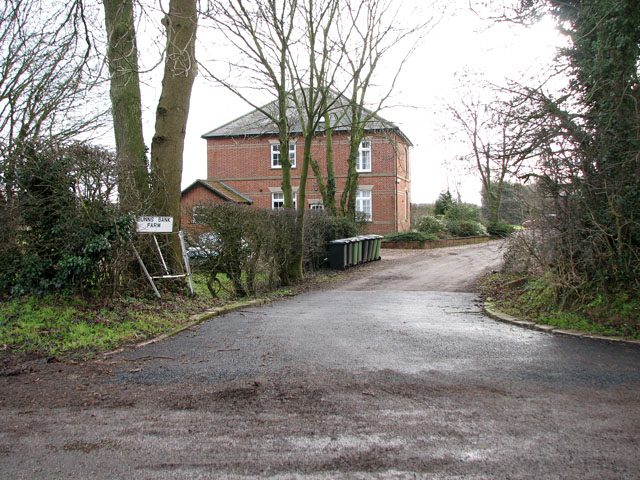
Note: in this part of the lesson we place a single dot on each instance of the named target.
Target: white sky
(460, 42)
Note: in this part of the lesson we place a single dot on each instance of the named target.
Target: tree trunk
(330, 197)
(122, 55)
(285, 159)
(348, 199)
(296, 269)
(172, 113)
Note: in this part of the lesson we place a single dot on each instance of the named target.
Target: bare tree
(263, 33)
(180, 23)
(313, 99)
(308, 54)
(369, 32)
(167, 146)
(46, 76)
(498, 142)
(295, 62)
(126, 101)
(589, 137)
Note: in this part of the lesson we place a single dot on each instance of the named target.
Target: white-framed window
(316, 206)
(275, 155)
(197, 212)
(277, 200)
(363, 162)
(363, 204)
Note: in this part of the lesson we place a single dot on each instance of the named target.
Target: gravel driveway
(395, 373)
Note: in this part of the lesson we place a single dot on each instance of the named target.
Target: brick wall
(197, 195)
(245, 165)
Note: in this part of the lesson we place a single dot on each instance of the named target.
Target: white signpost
(154, 224)
(162, 225)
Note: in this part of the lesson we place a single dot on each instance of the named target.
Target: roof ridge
(256, 123)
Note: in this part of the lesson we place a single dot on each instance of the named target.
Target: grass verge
(60, 327)
(534, 300)
(80, 328)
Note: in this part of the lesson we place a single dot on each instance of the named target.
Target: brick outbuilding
(243, 166)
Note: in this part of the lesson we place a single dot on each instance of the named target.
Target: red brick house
(243, 165)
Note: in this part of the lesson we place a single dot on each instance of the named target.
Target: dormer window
(275, 155)
(363, 162)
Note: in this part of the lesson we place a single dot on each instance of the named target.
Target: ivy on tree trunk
(122, 55)
(173, 110)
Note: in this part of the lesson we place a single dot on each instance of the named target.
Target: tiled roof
(256, 123)
(221, 189)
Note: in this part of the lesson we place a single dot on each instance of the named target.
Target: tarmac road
(375, 378)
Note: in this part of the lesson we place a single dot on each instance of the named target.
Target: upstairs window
(363, 163)
(363, 204)
(275, 155)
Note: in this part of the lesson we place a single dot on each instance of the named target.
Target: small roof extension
(220, 189)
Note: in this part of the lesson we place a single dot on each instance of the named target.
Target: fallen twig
(148, 357)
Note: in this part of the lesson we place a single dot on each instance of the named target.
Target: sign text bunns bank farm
(154, 224)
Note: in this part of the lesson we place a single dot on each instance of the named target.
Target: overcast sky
(461, 42)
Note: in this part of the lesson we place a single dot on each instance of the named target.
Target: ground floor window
(363, 204)
(277, 200)
(316, 206)
(197, 214)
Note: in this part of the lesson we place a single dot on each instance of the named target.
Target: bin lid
(340, 241)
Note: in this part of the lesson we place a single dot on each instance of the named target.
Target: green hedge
(254, 247)
(410, 237)
(500, 229)
(61, 230)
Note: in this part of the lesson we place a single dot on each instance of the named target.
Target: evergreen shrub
(63, 233)
(466, 228)
(500, 229)
(410, 237)
(431, 224)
